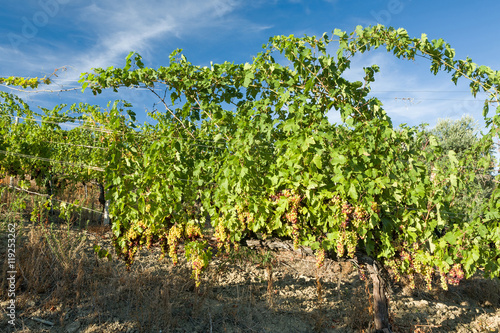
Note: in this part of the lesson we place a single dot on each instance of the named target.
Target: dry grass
(59, 276)
(50, 262)
(60, 280)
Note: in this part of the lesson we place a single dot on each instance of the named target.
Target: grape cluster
(162, 240)
(347, 210)
(455, 275)
(133, 241)
(292, 218)
(444, 283)
(199, 256)
(137, 236)
(405, 256)
(350, 214)
(129, 250)
(351, 242)
(410, 265)
(391, 263)
(336, 200)
(290, 194)
(340, 245)
(427, 273)
(193, 231)
(173, 237)
(417, 266)
(197, 264)
(244, 217)
(222, 237)
(320, 258)
(292, 215)
(411, 279)
(360, 216)
(149, 238)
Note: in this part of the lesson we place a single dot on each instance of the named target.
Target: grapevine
(275, 165)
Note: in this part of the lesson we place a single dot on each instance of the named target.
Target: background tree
(463, 137)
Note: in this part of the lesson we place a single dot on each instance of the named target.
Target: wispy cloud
(109, 30)
(121, 27)
(81, 34)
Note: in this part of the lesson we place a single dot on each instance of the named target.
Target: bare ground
(63, 287)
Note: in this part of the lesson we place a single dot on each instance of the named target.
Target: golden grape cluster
(222, 236)
(291, 215)
(351, 217)
(193, 231)
(410, 262)
(245, 217)
(197, 264)
(173, 237)
(347, 239)
(320, 258)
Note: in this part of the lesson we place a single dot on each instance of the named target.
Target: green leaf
(307, 142)
(450, 238)
(369, 245)
(453, 157)
(352, 192)
(249, 76)
(317, 161)
(432, 246)
(338, 159)
(84, 86)
(309, 85)
(482, 230)
(397, 195)
(453, 180)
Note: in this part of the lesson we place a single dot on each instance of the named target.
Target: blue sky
(40, 36)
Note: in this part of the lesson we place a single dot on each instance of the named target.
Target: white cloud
(129, 25)
(105, 31)
(109, 30)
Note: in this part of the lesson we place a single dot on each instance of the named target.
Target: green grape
(320, 258)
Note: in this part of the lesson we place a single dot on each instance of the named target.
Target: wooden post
(105, 203)
(106, 220)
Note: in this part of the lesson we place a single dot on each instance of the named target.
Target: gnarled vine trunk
(380, 302)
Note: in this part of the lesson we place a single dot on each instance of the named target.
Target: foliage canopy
(251, 146)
